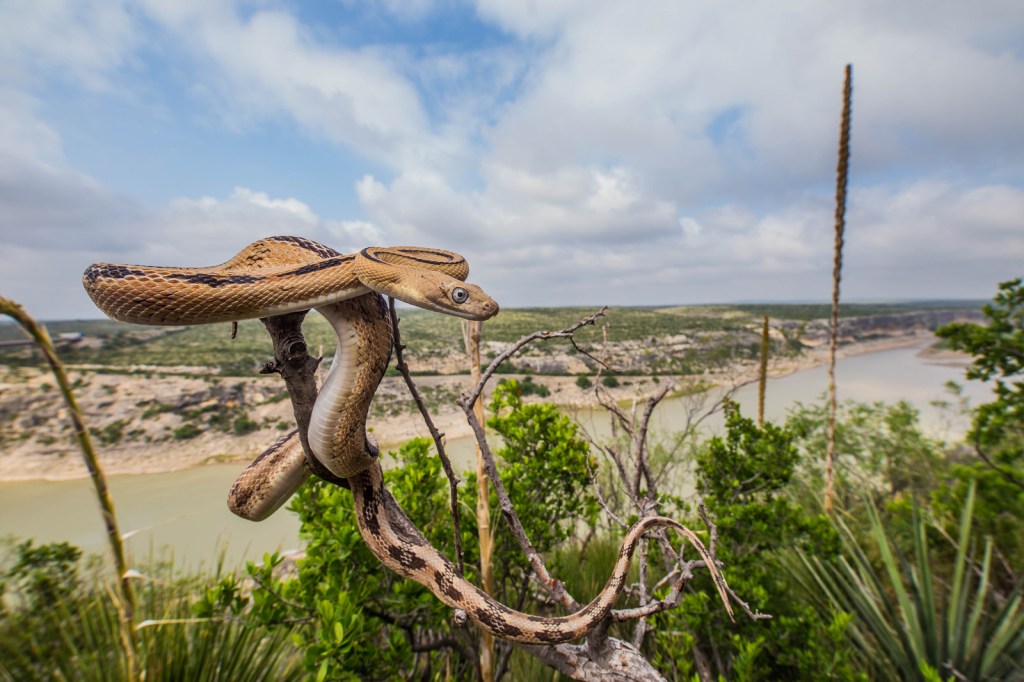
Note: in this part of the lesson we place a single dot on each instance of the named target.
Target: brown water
(184, 513)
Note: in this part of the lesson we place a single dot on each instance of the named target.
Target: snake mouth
(484, 310)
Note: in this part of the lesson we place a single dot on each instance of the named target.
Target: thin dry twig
(592, 473)
(566, 333)
(762, 373)
(453, 480)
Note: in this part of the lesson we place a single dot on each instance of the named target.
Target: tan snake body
(285, 274)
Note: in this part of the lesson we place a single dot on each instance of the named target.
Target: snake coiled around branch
(280, 275)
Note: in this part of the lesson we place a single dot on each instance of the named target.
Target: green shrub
(243, 424)
(111, 434)
(584, 382)
(743, 476)
(186, 431)
(357, 617)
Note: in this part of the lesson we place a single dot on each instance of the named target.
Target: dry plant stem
(555, 588)
(842, 170)
(762, 375)
(641, 623)
(42, 339)
(298, 369)
(437, 436)
(472, 331)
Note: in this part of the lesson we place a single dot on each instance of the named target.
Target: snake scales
(278, 275)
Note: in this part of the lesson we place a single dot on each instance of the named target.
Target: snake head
(444, 294)
(468, 301)
(426, 278)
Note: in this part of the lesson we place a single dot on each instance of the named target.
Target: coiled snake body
(278, 275)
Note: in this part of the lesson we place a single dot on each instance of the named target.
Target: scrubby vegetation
(916, 576)
(704, 336)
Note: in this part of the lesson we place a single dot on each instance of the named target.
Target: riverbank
(149, 437)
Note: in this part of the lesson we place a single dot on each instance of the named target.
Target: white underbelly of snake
(278, 275)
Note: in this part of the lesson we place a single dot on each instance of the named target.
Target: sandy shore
(24, 463)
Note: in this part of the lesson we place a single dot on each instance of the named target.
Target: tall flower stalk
(837, 269)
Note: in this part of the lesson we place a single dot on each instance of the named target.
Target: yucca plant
(915, 618)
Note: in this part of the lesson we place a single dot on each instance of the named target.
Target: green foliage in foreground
(995, 458)
(359, 621)
(880, 451)
(918, 618)
(998, 350)
(743, 477)
(61, 625)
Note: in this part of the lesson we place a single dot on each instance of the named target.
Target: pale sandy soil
(107, 397)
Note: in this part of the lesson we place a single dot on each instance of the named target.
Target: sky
(577, 152)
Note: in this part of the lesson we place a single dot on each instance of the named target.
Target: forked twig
(566, 333)
(554, 587)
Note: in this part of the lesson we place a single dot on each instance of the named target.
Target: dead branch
(298, 369)
(601, 657)
(566, 333)
(554, 587)
(437, 436)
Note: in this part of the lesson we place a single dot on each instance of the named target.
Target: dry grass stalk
(38, 333)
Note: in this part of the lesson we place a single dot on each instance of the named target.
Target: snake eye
(460, 295)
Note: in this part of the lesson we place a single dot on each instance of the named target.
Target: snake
(279, 275)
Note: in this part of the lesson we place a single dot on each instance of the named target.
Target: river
(183, 515)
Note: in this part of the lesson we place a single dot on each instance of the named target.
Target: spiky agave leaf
(911, 615)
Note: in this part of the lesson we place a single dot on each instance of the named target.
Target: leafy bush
(584, 382)
(111, 434)
(243, 424)
(743, 476)
(879, 447)
(527, 387)
(359, 620)
(186, 431)
(994, 464)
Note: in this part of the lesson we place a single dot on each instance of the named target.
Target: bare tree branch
(453, 480)
(518, 345)
(601, 657)
(466, 402)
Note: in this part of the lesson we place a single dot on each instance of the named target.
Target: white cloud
(268, 66)
(215, 229)
(22, 134)
(185, 232)
(652, 153)
(981, 228)
(84, 40)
